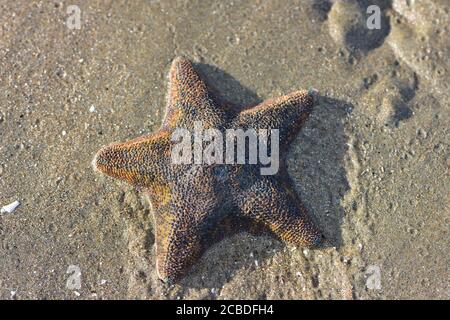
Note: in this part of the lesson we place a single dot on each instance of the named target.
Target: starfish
(196, 205)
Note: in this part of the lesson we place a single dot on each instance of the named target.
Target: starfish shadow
(226, 90)
(316, 169)
(316, 165)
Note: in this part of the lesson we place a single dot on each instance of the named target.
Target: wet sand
(371, 164)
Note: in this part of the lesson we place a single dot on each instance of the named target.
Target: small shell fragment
(9, 208)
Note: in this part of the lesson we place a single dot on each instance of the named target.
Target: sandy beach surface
(371, 164)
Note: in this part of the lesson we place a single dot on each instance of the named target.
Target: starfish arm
(180, 242)
(277, 206)
(286, 113)
(183, 211)
(177, 243)
(189, 99)
(140, 162)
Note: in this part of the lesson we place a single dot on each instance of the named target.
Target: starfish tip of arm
(99, 161)
(313, 93)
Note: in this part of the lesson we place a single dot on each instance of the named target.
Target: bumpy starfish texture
(196, 205)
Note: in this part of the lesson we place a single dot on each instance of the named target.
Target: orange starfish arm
(182, 224)
(177, 245)
(287, 114)
(139, 162)
(189, 99)
(275, 205)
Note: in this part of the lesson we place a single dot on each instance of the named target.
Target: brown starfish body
(195, 205)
